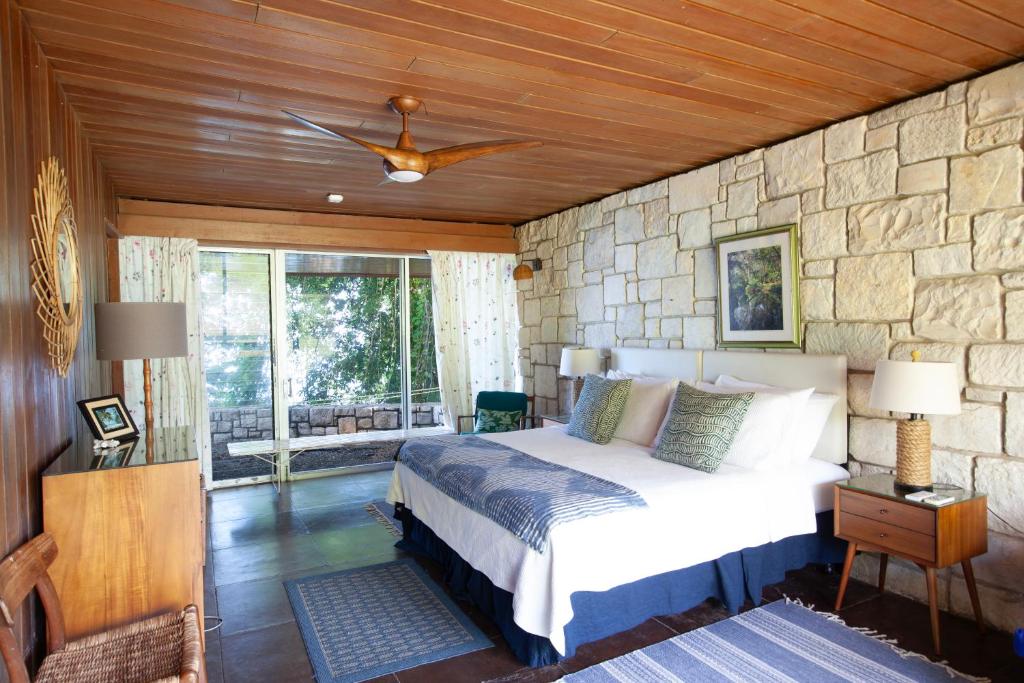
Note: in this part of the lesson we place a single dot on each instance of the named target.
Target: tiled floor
(259, 538)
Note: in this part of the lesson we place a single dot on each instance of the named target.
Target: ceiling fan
(403, 163)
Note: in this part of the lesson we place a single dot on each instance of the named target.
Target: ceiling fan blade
(446, 156)
(386, 181)
(380, 150)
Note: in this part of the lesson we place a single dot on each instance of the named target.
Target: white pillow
(646, 407)
(811, 422)
(763, 441)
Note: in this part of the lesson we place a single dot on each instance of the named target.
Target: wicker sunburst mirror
(56, 274)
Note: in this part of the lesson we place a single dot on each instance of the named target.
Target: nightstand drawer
(885, 535)
(889, 512)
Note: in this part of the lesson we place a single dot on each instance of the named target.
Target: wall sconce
(525, 271)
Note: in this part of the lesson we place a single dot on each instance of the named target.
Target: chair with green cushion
(499, 405)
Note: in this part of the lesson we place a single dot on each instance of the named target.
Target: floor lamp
(133, 331)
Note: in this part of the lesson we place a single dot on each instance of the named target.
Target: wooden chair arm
(531, 418)
(458, 422)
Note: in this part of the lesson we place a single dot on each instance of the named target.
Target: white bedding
(691, 517)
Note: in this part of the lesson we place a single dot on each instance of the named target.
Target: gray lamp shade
(129, 331)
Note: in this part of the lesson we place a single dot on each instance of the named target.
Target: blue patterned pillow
(701, 428)
(491, 421)
(599, 408)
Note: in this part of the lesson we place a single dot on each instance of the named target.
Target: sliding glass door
(347, 350)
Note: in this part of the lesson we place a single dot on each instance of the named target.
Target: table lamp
(577, 364)
(130, 331)
(919, 389)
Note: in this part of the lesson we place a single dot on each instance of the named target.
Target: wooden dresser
(129, 531)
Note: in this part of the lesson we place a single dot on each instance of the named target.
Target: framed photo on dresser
(758, 288)
(108, 418)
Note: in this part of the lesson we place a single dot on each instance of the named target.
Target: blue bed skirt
(732, 579)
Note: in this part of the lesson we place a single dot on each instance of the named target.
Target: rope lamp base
(577, 387)
(914, 454)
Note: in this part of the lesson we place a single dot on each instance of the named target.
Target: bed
(722, 535)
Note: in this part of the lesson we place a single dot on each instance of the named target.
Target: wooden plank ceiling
(182, 98)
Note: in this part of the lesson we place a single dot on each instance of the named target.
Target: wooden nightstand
(873, 516)
(554, 420)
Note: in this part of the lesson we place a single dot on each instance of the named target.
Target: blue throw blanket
(526, 495)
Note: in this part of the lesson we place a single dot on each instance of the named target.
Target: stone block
(650, 290)
(997, 365)
(958, 229)
(952, 259)
(863, 343)
(935, 353)
(652, 328)
(629, 224)
(590, 216)
(590, 303)
(705, 307)
(614, 290)
(927, 176)
(812, 201)
(861, 180)
(881, 138)
(612, 202)
(778, 212)
(694, 190)
(998, 95)
(648, 192)
(303, 429)
(677, 295)
(218, 439)
(960, 309)
(996, 134)
(1013, 280)
(939, 133)
(879, 287)
(567, 330)
(999, 240)
(990, 180)
(699, 332)
(574, 274)
(1015, 315)
(656, 257)
(817, 299)
(906, 109)
(672, 327)
(897, 224)
(347, 425)
(984, 395)
(858, 395)
(653, 309)
(1003, 480)
(1015, 424)
(705, 282)
(751, 170)
(978, 428)
(657, 220)
(549, 330)
(953, 468)
(248, 419)
(265, 423)
(549, 305)
(845, 140)
(545, 381)
(694, 228)
(873, 441)
(364, 423)
(823, 235)
(742, 199)
(746, 224)
(567, 302)
(599, 248)
(531, 312)
(240, 433)
(321, 416)
(599, 336)
(330, 431)
(794, 166)
(819, 268)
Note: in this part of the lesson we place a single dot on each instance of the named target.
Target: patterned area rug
(362, 623)
(783, 641)
(384, 513)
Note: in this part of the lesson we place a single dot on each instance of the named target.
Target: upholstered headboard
(827, 374)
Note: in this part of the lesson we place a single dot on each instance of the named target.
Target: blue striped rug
(362, 623)
(782, 641)
(384, 513)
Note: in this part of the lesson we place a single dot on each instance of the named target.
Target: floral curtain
(475, 326)
(167, 269)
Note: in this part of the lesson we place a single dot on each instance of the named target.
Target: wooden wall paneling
(38, 416)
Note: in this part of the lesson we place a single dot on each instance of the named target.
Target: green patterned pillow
(599, 408)
(701, 427)
(490, 421)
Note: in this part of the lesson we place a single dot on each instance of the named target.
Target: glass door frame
(279, 342)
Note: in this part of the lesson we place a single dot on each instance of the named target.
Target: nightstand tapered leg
(972, 588)
(933, 606)
(883, 564)
(851, 552)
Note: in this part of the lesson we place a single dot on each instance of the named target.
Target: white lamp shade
(579, 362)
(916, 387)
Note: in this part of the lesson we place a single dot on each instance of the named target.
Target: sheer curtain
(167, 269)
(475, 325)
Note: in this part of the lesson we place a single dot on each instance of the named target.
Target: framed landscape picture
(758, 290)
(108, 418)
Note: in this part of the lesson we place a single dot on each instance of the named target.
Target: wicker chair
(164, 648)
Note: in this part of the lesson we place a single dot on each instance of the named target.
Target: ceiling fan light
(400, 176)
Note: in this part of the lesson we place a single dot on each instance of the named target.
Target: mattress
(691, 517)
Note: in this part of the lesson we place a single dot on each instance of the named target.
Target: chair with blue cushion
(503, 401)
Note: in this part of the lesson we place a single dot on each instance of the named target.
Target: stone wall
(912, 237)
(255, 423)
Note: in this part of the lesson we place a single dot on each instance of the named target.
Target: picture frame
(108, 418)
(759, 289)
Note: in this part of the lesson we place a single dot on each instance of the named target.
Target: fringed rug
(783, 641)
(362, 623)
(384, 513)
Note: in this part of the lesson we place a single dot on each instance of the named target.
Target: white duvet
(691, 517)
